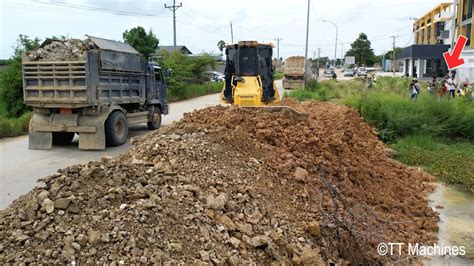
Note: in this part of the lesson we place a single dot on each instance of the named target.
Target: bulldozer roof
(250, 44)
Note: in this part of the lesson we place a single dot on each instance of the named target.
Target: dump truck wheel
(155, 123)
(116, 129)
(62, 138)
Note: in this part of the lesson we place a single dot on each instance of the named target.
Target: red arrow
(454, 60)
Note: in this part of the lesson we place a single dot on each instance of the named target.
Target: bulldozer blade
(283, 109)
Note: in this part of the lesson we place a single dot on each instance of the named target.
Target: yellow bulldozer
(249, 75)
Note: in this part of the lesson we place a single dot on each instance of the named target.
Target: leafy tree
(221, 45)
(11, 81)
(143, 42)
(362, 51)
(389, 54)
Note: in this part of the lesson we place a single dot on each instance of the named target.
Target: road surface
(21, 167)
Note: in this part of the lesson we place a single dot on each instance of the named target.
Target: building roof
(416, 51)
(170, 49)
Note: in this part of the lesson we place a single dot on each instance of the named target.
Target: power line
(173, 8)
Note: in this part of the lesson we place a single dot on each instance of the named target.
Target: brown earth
(229, 185)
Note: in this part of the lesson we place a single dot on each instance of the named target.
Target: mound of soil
(67, 50)
(229, 185)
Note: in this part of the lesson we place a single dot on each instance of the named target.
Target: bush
(196, 90)
(12, 127)
(452, 162)
(11, 90)
(279, 75)
(397, 116)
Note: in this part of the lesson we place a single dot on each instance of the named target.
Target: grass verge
(194, 90)
(450, 161)
(12, 127)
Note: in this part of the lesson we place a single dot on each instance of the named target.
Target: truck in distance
(294, 72)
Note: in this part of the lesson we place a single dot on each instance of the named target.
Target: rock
(244, 228)
(61, 203)
(21, 238)
(76, 246)
(143, 259)
(311, 256)
(235, 242)
(42, 196)
(94, 236)
(300, 174)
(41, 185)
(105, 238)
(73, 208)
(204, 255)
(48, 205)
(234, 260)
(217, 203)
(41, 236)
(68, 251)
(257, 241)
(314, 229)
(226, 221)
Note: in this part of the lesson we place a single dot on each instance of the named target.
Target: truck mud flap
(93, 140)
(39, 140)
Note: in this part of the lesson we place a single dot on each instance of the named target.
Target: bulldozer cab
(249, 74)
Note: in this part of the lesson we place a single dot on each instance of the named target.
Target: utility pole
(306, 49)
(394, 55)
(335, 45)
(278, 47)
(317, 66)
(173, 8)
(231, 32)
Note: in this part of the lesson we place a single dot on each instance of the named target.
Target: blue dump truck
(98, 95)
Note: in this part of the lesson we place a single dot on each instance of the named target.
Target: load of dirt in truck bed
(229, 185)
(62, 50)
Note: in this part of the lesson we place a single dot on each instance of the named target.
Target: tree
(143, 42)
(362, 51)
(389, 54)
(221, 45)
(11, 80)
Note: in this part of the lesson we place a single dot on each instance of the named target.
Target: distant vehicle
(294, 72)
(328, 73)
(215, 76)
(348, 72)
(362, 71)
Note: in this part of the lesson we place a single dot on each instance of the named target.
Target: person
(444, 87)
(414, 89)
(432, 86)
(334, 75)
(450, 86)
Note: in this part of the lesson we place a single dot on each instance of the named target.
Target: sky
(202, 23)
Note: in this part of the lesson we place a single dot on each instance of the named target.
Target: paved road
(21, 167)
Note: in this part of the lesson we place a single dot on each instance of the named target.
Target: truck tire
(116, 129)
(155, 123)
(62, 138)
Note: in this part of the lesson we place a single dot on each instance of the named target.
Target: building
(465, 27)
(435, 27)
(170, 48)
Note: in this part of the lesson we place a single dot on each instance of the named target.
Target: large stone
(61, 203)
(217, 203)
(226, 221)
(311, 256)
(48, 205)
(300, 174)
(94, 236)
(314, 229)
(244, 228)
(42, 196)
(257, 241)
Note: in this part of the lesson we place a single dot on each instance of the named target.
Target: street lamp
(335, 45)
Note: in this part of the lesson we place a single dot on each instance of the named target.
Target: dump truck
(294, 72)
(97, 95)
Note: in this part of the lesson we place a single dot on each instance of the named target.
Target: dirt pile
(228, 185)
(72, 49)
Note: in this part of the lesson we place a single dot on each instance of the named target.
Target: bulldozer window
(248, 59)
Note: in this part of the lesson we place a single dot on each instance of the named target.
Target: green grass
(12, 127)
(397, 116)
(450, 161)
(279, 75)
(194, 90)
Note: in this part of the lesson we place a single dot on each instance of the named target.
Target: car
(362, 71)
(215, 76)
(348, 72)
(328, 72)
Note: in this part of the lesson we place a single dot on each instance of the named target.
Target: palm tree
(221, 45)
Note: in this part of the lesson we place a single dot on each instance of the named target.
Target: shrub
(11, 127)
